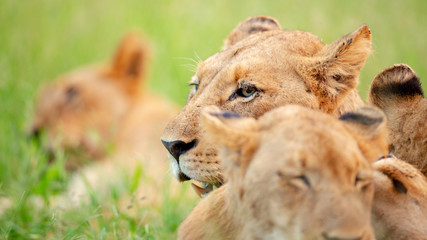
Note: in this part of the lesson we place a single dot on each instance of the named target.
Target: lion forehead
(294, 145)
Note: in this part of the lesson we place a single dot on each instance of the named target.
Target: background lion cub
(294, 173)
(397, 91)
(90, 110)
(96, 107)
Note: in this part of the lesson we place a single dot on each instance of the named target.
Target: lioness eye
(195, 86)
(194, 82)
(246, 91)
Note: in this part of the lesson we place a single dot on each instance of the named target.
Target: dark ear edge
(368, 127)
(226, 127)
(251, 26)
(365, 116)
(397, 81)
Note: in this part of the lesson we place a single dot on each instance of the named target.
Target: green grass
(40, 39)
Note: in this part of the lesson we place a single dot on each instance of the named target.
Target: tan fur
(400, 202)
(284, 66)
(397, 91)
(295, 173)
(104, 113)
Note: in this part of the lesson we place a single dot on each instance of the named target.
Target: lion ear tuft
(250, 26)
(237, 136)
(368, 126)
(335, 69)
(393, 84)
(345, 57)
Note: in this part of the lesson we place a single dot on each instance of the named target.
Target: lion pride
(295, 173)
(263, 67)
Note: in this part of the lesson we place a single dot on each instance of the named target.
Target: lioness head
(397, 91)
(263, 67)
(82, 109)
(295, 173)
(400, 202)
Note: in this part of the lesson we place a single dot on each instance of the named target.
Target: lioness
(95, 108)
(397, 91)
(295, 173)
(263, 67)
(399, 208)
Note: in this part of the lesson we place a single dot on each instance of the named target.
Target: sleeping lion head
(295, 173)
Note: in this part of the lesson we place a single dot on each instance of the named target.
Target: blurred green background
(41, 39)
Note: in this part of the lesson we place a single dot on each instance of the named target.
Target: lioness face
(299, 173)
(256, 73)
(332, 185)
(81, 111)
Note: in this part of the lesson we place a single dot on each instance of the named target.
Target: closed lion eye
(303, 179)
(362, 184)
(299, 181)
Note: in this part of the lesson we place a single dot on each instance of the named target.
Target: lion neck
(214, 219)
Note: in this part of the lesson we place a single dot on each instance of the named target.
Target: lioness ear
(368, 126)
(335, 69)
(394, 84)
(129, 62)
(250, 26)
(237, 136)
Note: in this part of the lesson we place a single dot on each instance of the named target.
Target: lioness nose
(176, 148)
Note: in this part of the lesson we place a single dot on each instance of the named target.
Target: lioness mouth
(205, 188)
